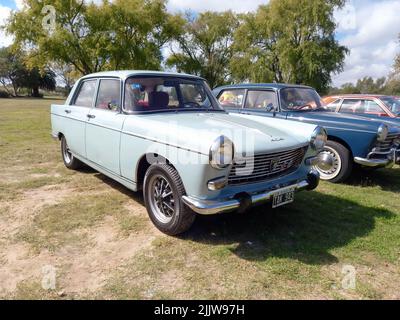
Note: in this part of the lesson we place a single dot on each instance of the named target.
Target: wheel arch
(342, 142)
(144, 164)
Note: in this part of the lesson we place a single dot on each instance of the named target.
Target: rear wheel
(342, 163)
(69, 160)
(162, 192)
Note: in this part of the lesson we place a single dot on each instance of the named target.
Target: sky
(369, 28)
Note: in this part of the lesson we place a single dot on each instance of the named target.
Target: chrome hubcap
(67, 153)
(162, 199)
(330, 172)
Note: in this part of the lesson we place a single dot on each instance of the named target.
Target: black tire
(69, 160)
(343, 164)
(172, 222)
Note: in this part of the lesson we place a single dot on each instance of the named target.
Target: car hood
(197, 131)
(340, 121)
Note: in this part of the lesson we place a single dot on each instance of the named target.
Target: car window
(373, 107)
(156, 94)
(109, 97)
(333, 105)
(85, 95)
(232, 98)
(265, 100)
(353, 106)
(300, 99)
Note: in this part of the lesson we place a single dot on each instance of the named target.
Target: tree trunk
(35, 92)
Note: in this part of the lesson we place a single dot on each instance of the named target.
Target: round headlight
(383, 131)
(319, 138)
(221, 153)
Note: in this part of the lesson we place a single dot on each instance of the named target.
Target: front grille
(265, 166)
(388, 144)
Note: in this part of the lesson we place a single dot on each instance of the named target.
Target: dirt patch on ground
(80, 271)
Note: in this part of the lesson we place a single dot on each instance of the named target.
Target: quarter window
(232, 98)
(85, 95)
(263, 100)
(109, 97)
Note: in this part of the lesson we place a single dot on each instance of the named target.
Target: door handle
(91, 116)
(67, 111)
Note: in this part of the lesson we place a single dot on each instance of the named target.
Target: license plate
(282, 197)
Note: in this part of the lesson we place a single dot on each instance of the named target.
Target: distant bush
(4, 94)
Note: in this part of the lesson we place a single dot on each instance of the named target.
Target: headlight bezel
(382, 133)
(319, 138)
(215, 153)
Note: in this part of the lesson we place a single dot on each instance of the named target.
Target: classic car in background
(167, 135)
(365, 105)
(351, 139)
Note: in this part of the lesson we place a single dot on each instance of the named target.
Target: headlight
(319, 138)
(382, 132)
(221, 153)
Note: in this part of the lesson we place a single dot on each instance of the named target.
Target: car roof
(124, 74)
(358, 95)
(276, 86)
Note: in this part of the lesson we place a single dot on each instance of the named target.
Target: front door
(103, 131)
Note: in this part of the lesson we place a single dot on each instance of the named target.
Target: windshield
(152, 94)
(393, 103)
(300, 99)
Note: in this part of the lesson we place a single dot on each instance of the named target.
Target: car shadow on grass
(306, 230)
(387, 179)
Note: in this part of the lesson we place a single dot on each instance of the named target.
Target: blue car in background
(352, 139)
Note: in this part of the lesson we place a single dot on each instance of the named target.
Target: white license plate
(282, 197)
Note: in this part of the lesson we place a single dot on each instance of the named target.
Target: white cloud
(373, 42)
(214, 5)
(19, 4)
(4, 14)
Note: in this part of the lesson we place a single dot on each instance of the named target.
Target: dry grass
(97, 235)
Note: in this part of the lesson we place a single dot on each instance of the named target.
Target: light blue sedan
(165, 134)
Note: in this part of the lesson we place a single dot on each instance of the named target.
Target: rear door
(103, 131)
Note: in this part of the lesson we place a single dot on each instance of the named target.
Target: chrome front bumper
(392, 158)
(242, 203)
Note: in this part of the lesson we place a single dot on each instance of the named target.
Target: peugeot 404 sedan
(165, 134)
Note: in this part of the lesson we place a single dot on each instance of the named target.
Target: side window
(373, 108)
(333, 105)
(85, 95)
(109, 96)
(263, 100)
(353, 106)
(232, 98)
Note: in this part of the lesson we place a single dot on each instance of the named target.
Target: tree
(291, 41)
(369, 85)
(10, 66)
(94, 37)
(205, 48)
(34, 79)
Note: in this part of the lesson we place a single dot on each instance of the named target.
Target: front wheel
(342, 163)
(162, 192)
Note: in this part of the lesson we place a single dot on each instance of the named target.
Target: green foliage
(205, 48)
(94, 37)
(290, 41)
(10, 66)
(367, 85)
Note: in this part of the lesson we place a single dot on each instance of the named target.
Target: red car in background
(365, 105)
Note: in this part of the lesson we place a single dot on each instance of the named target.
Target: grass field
(97, 236)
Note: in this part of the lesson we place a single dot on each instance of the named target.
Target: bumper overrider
(244, 201)
(372, 160)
